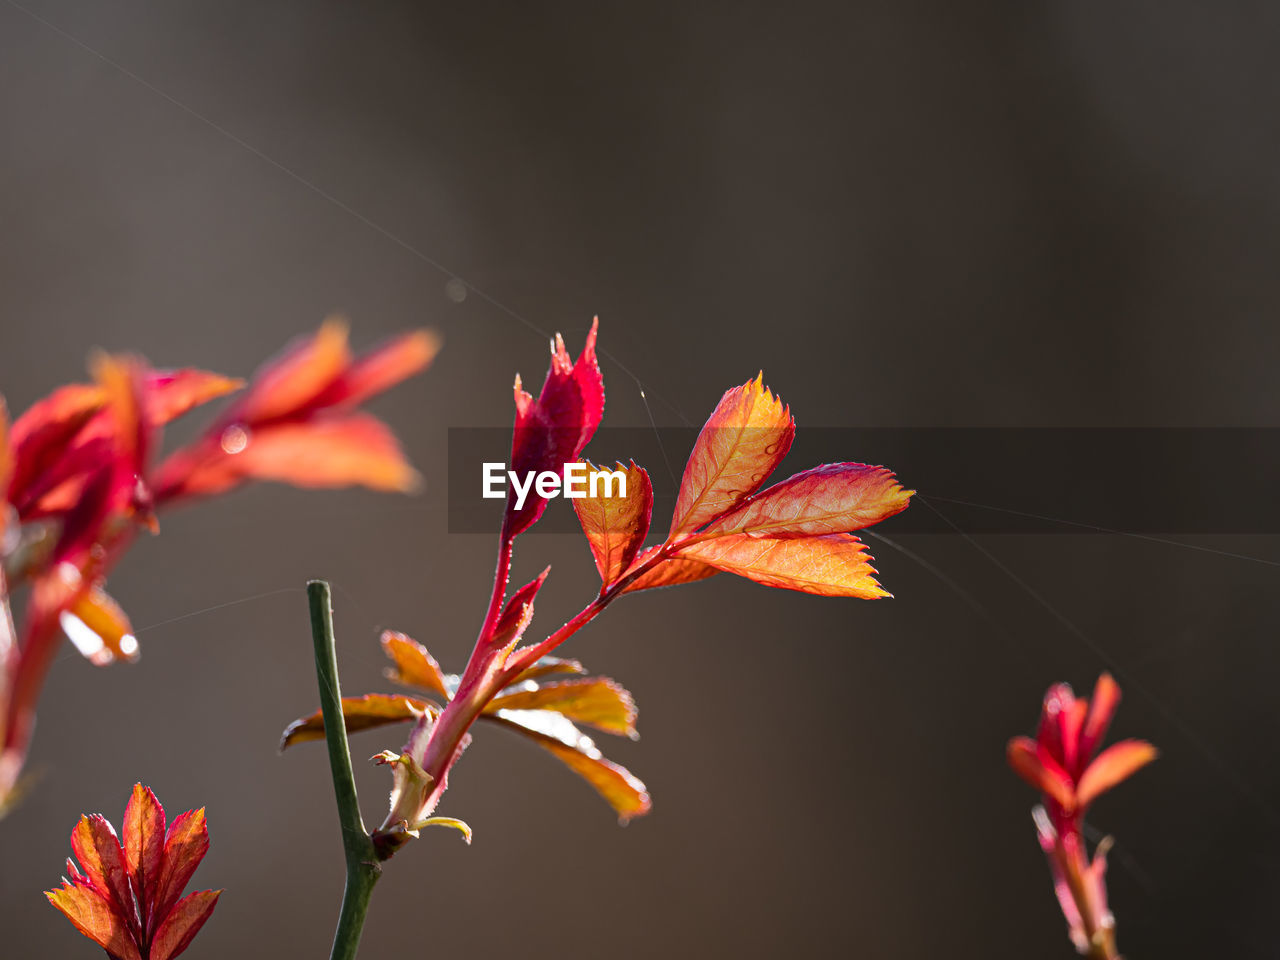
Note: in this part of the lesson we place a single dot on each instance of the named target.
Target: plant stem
(363, 868)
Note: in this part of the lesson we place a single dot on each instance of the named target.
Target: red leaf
(553, 430)
(1032, 764)
(172, 393)
(144, 834)
(183, 923)
(302, 373)
(836, 565)
(515, 616)
(101, 857)
(668, 573)
(745, 438)
(382, 368)
(832, 498)
(616, 526)
(185, 845)
(619, 787)
(415, 667)
(359, 713)
(354, 450)
(1116, 763)
(40, 436)
(1102, 707)
(597, 701)
(95, 917)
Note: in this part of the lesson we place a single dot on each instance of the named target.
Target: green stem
(363, 868)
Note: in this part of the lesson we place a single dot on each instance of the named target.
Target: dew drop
(234, 439)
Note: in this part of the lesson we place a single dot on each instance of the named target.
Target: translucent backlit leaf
(616, 525)
(1116, 763)
(354, 450)
(597, 701)
(171, 393)
(359, 713)
(414, 666)
(102, 860)
(185, 845)
(40, 436)
(182, 923)
(95, 917)
(669, 573)
(294, 380)
(832, 498)
(1102, 707)
(616, 784)
(144, 834)
(383, 367)
(835, 565)
(745, 438)
(546, 666)
(516, 615)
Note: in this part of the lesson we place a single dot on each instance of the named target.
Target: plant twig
(363, 868)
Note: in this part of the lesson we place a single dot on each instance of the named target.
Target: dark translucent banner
(1219, 480)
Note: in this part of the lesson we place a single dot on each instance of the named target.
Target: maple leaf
(127, 898)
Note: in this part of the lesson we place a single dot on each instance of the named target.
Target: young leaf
(616, 784)
(352, 450)
(414, 666)
(303, 372)
(95, 917)
(185, 845)
(171, 393)
(545, 666)
(597, 701)
(359, 713)
(517, 614)
(144, 832)
(1116, 763)
(745, 438)
(101, 857)
(835, 565)
(553, 430)
(616, 526)
(669, 573)
(110, 635)
(382, 368)
(832, 498)
(182, 924)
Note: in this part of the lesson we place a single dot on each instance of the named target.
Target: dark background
(930, 214)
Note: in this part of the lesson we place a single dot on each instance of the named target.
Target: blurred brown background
(925, 214)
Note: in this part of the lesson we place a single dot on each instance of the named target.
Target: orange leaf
(616, 526)
(549, 665)
(93, 915)
(597, 701)
(745, 438)
(359, 713)
(185, 845)
(99, 628)
(832, 498)
(292, 382)
(1102, 707)
(669, 573)
(356, 449)
(383, 367)
(619, 787)
(182, 924)
(101, 857)
(1116, 763)
(835, 565)
(144, 830)
(172, 393)
(415, 667)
